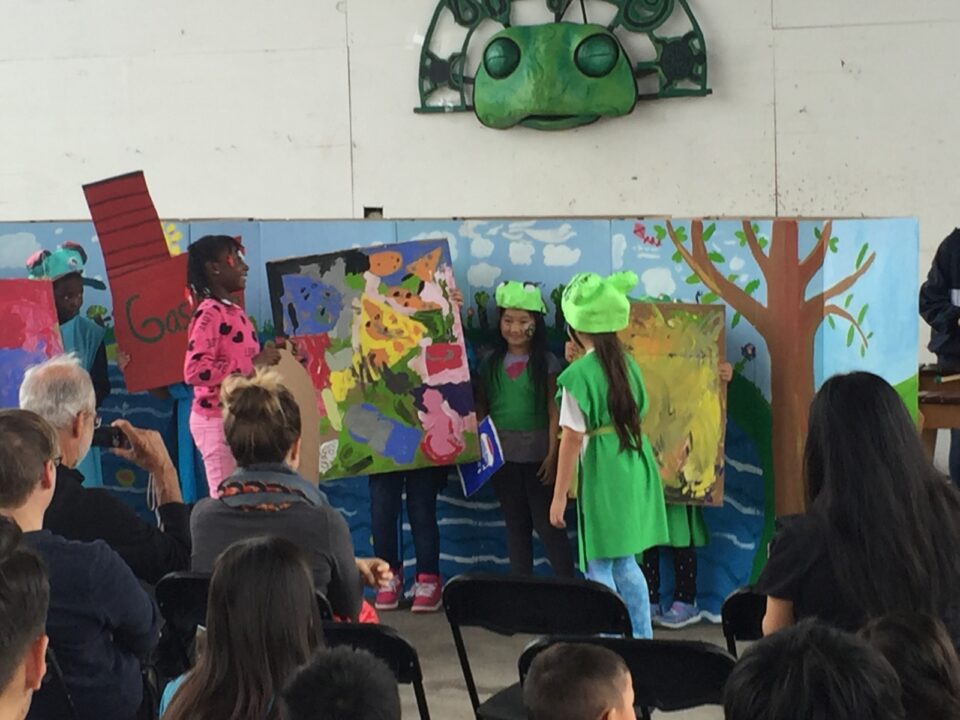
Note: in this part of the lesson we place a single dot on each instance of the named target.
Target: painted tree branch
(845, 284)
(814, 261)
(755, 249)
(710, 276)
(840, 312)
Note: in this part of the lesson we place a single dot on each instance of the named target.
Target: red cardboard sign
(128, 227)
(152, 317)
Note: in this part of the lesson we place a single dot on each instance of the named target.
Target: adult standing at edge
(940, 308)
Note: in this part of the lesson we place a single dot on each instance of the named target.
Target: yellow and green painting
(678, 349)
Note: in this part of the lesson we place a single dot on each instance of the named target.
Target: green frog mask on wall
(561, 74)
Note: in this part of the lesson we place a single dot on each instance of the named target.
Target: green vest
(512, 403)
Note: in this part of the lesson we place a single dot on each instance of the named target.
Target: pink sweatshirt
(222, 342)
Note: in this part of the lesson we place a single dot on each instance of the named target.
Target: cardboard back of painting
(29, 332)
(297, 380)
(679, 348)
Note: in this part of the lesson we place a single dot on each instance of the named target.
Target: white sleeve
(571, 416)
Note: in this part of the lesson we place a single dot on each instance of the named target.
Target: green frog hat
(594, 304)
(513, 295)
(68, 259)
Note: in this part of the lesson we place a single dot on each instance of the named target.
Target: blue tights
(624, 576)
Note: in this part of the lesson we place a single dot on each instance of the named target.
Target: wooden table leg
(930, 441)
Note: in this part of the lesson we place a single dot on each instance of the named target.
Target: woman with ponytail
(266, 496)
(620, 503)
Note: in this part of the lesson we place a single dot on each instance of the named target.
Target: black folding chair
(668, 675)
(510, 604)
(388, 645)
(742, 617)
(182, 599)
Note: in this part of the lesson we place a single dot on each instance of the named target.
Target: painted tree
(788, 324)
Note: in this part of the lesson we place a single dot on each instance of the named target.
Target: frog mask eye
(597, 56)
(501, 58)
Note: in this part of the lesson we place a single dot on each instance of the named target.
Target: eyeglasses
(97, 422)
(56, 460)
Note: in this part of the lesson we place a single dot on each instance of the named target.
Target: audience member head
(810, 671)
(262, 624)
(261, 419)
(343, 684)
(24, 597)
(29, 454)
(922, 653)
(892, 522)
(578, 682)
(61, 392)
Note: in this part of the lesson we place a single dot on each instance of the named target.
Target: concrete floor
(493, 659)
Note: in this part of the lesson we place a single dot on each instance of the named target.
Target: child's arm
(567, 458)
(726, 372)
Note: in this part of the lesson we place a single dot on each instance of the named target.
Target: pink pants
(218, 461)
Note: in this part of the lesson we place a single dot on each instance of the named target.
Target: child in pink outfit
(222, 341)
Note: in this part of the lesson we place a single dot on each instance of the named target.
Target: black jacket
(101, 625)
(87, 514)
(940, 301)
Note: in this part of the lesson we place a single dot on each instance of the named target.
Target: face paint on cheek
(530, 330)
(231, 261)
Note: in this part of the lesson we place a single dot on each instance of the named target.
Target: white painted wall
(303, 109)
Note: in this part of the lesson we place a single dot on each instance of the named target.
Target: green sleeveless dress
(620, 503)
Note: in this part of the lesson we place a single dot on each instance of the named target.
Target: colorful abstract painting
(385, 353)
(678, 349)
(29, 332)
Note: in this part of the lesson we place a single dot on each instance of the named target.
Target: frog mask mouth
(553, 77)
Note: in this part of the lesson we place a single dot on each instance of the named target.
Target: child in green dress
(620, 502)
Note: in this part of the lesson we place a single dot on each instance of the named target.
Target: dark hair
(810, 671)
(261, 419)
(343, 684)
(537, 366)
(892, 522)
(29, 442)
(922, 653)
(24, 598)
(262, 624)
(574, 681)
(207, 249)
(621, 402)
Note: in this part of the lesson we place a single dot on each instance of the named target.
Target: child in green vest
(517, 384)
(602, 401)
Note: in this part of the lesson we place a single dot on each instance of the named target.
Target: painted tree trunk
(790, 342)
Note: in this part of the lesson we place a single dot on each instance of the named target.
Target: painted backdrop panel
(386, 355)
(678, 349)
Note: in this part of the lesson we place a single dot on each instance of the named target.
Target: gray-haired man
(61, 392)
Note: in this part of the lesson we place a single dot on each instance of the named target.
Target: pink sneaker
(388, 598)
(427, 596)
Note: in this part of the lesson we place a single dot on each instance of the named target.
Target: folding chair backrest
(511, 604)
(388, 645)
(742, 617)
(182, 598)
(668, 675)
